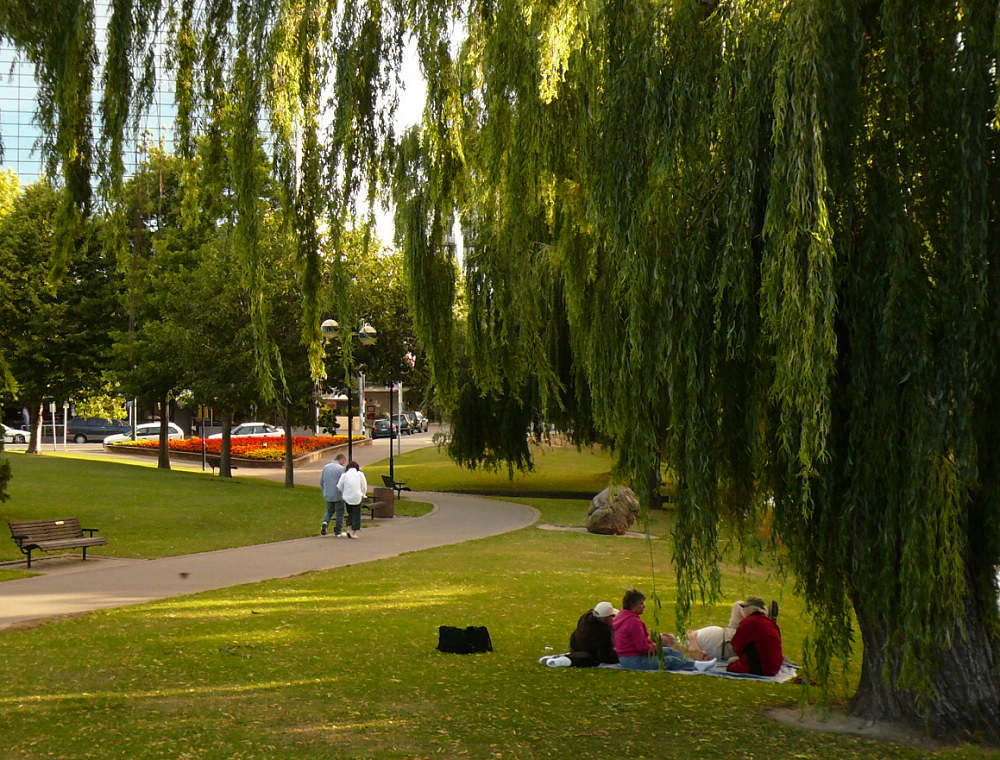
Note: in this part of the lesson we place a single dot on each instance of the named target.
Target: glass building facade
(19, 103)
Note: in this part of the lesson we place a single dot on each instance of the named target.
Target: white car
(145, 431)
(254, 430)
(13, 435)
(422, 420)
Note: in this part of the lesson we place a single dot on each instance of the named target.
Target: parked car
(86, 429)
(411, 417)
(402, 424)
(424, 422)
(14, 435)
(250, 429)
(145, 431)
(382, 428)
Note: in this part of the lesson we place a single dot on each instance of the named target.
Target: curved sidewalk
(456, 518)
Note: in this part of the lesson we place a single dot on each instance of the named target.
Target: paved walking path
(98, 584)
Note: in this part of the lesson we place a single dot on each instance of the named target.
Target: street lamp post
(366, 335)
(399, 432)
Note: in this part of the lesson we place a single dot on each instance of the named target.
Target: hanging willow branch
(777, 281)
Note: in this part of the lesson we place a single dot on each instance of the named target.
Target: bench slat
(68, 543)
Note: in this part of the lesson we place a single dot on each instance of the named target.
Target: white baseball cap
(604, 609)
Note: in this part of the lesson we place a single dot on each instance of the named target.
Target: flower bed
(257, 448)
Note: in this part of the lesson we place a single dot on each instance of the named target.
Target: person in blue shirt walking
(328, 481)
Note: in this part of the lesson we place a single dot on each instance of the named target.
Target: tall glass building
(17, 107)
(19, 102)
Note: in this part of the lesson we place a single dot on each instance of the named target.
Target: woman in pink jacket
(635, 649)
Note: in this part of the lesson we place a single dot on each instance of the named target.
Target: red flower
(253, 447)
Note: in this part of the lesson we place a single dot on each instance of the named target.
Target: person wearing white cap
(592, 643)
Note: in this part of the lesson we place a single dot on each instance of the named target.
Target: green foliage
(10, 188)
(156, 258)
(6, 473)
(421, 210)
(192, 310)
(104, 401)
(58, 38)
(753, 240)
(775, 278)
(54, 336)
(237, 65)
(366, 283)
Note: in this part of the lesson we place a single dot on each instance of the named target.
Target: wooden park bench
(53, 535)
(396, 485)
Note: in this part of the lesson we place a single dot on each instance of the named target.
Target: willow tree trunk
(226, 450)
(655, 484)
(965, 703)
(164, 460)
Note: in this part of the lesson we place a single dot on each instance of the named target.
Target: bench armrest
(91, 531)
(19, 538)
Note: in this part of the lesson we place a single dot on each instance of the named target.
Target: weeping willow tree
(771, 229)
(755, 240)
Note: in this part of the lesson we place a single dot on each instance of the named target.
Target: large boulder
(613, 511)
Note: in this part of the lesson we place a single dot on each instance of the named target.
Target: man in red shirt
(757, 642)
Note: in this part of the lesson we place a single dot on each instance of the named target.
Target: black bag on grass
(470, 640)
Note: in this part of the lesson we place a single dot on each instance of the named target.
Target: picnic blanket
(789, 670)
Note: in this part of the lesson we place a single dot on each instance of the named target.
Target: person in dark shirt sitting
(592, 643)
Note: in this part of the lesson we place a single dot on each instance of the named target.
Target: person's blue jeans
(335, 508)
(672, 660)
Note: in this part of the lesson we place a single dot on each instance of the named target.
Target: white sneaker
(562, 661)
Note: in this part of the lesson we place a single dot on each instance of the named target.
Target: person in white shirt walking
(353, 489)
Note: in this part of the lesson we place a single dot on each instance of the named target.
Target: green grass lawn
(10, 575)
(145, 512)
(557, 469)
(342, 663)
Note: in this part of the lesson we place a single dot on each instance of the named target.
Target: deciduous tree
(54, 335)
(367, 283)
